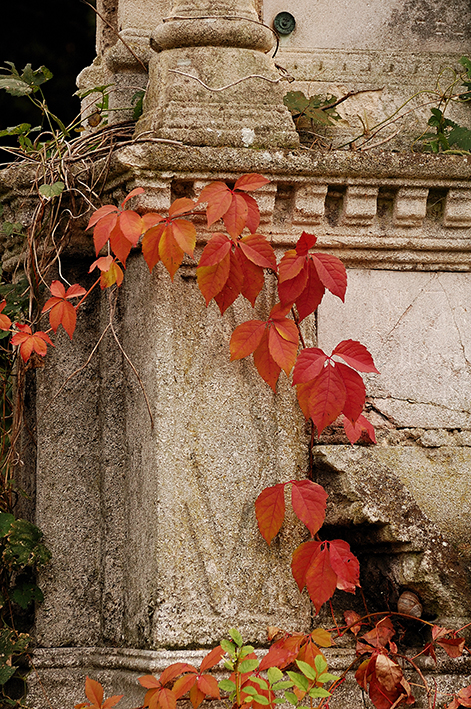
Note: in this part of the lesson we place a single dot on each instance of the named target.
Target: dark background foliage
(57, 33)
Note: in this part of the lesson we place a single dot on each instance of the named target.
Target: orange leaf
(253, 278)
(327, 397)
(63, 313)
(219, 199)
(170, 252)
(149, 682)
(253, 213)
(302, 558)
(290, 265)
(29, 342)
(112, 701)
(167, 699)
(131, 225)
(212, 658)
(173, 670)
(266, 366)
(309, 365)
(355, 392)
(150, 245)
(100, 213)
(354, 431)
(235, 217)
(282, 350)
(183, 685)
(150, 219)
(133, 193)
(356, 355)
(251, 181)
(270, 511)
(184, 233)
(345, 564)
(308, 301)
(246, 338)
(94, 691)
(181, 206)
(208, 684)
(232, 287)
(309, 502)
(321, 579)
(103, 229)
(305, 242)
(120, 246)
(196, 696)
(257, 249)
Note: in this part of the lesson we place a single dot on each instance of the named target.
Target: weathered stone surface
(389, 526)
(417, 326)
(159, 524)
(378, 24)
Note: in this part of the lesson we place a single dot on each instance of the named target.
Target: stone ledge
(63, 670)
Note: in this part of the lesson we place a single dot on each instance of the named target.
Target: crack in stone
(422, 403)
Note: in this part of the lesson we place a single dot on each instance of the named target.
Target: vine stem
(419, 672)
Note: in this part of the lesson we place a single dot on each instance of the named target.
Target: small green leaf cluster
(316, 109)
(448, 136)
(26, 83)
(247, 686)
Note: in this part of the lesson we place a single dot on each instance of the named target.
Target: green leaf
(26, 593)
(16, 130)
(250, 690)
(227, 686)
(24, 547)
(291, 698)
(138, 99)
(299, 681)
(246, 650)
(307, 670)
(260, 681)
(282, 685)
(296, 101)
(6, 520)
(12, 643)
(318, 115)
(53, 190)
(6, 671)
(15, 87)
(229, 665)
(461, 137)
(327, 677)
(236, 636)
(321, 664)
(318, 692)
(274, 674)
(279, 700)
(228, 647)
(248, 666)
(260, 699)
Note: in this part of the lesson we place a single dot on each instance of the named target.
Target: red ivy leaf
(309, 502)
(356, 355)
(270, 511)
(266, 366)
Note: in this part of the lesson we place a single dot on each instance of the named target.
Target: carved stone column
(212, 80)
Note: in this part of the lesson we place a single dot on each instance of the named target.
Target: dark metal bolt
(284, 23)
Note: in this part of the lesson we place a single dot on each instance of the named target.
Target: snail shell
(409, 603)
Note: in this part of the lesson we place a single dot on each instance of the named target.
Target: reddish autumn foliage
(94, 693)
(61, 312)
(30, 342)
